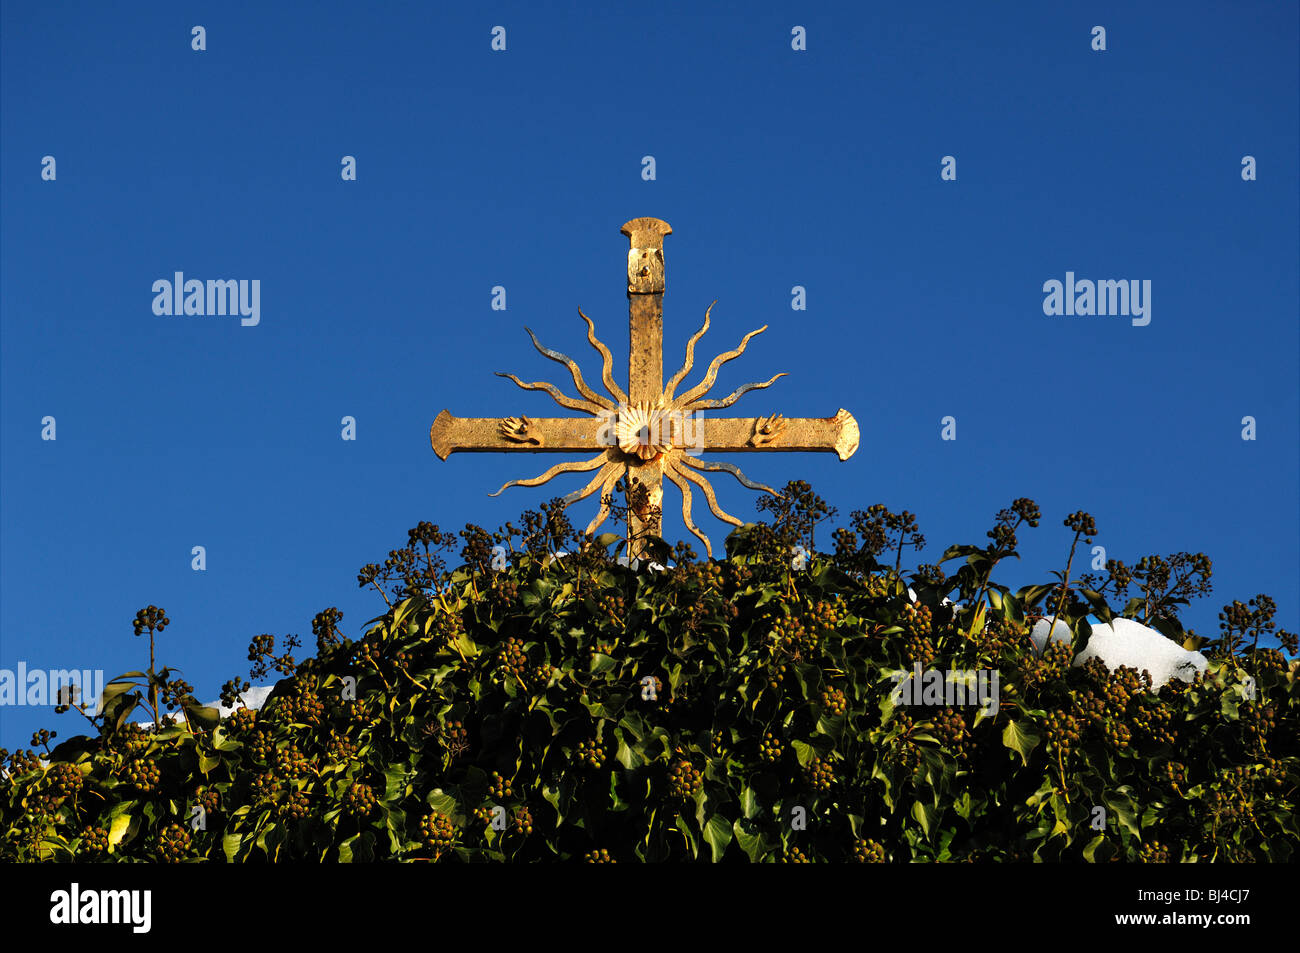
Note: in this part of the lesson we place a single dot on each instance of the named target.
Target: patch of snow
(1060, 633)
(254, 698)
(635, 564)
(1126, 642)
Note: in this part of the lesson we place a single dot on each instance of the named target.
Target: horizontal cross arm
(450, 434)
(793, 434)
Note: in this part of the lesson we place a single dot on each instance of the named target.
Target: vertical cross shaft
(645, 306)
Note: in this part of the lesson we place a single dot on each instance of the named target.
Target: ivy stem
(997, 555)
(1060, 768)
(414, 681)
(153, 684)
(383, 595)
(1065, 588)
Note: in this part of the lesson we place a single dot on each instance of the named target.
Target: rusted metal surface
(649, 433)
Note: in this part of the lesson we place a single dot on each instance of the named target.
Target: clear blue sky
(477, 168)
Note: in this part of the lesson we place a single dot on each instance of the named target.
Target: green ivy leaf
(230, 846)
(924, 815)
(717, 833)
(1090, 852)
(1121, 805)
(1021, 737)
(395, 786)
(204, 715)
(118, 829)
(442, 802)
(1099, 605)
(750, 842)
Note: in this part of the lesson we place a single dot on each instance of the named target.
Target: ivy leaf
(924, 815)
(230, 846)
(1121, 804)
(118, 829)
(1030, 595)
(1090, 851)
(717, 833)
(1228, 706)
(203, 715)
(751, 842)
(1099, 605)
(1021, 737)
(395, 786)
(345, 849)
(627, 756)
(955, 552)
(272, 836)
(442, 802)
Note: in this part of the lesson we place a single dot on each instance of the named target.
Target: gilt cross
(648, 432)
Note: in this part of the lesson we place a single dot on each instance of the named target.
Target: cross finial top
(645, 259)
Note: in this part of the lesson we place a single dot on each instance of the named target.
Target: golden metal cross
(647, 433)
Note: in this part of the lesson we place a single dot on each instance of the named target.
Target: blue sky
(477, 168)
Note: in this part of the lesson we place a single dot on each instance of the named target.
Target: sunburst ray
(573, 403)
(606, 499)
(572, 466)
(671, 387)
(607, 366)
(726, 468)
(730, 398)
(707, 489)
(568, 362)
(702, 388)
(670, 471)
(593, 484)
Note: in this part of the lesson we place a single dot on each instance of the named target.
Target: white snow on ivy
(1060, 633)
(254, 698)
(1126, 642)
(635, 564)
